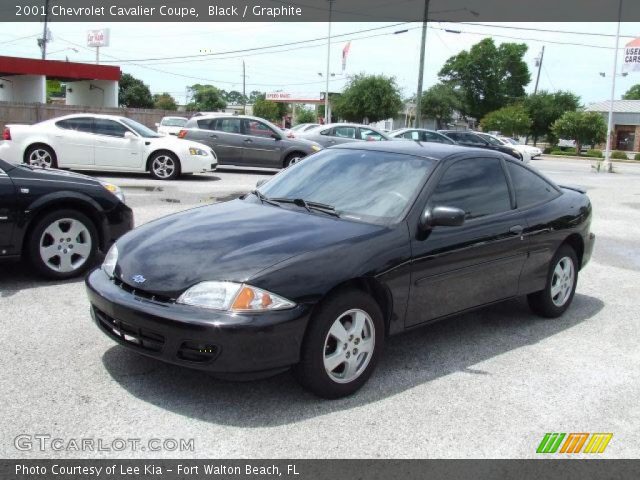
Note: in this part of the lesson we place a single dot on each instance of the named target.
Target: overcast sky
(295, 68)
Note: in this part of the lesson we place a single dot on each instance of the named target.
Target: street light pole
(327, 114)
(607, 155)
(45, 37)
(421, 68)
(535, 90)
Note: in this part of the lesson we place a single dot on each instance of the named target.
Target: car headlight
(233, 297)
(316, 148)
(197, 151)
(110, 260)
(116, 190)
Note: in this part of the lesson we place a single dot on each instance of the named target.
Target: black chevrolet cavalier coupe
(315, 268)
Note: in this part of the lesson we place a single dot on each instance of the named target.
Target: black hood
(229, 241)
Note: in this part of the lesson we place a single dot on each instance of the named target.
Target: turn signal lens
(182, 133)
(6, 134)
(255, 299)
(233, 297)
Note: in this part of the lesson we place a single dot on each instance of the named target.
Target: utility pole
(327, 114)
(244, 92)
(421, 68)
(607, 155)
(42, 42)
(535, 90)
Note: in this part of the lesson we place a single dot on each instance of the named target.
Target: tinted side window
(370, 135)
(229, 125)
(102, 126)
(477, 186)
(530, 188)
(80, 124)
(344, 132)
(433, 137)
(471, 139)
(257, 129)
(207, 124)
(411, 135)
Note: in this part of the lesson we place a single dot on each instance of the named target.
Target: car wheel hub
(40, 157)
(562, 281)
(163, 166)
(348, 346)
(65, 245)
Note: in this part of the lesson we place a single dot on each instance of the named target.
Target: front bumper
(590, 241)
(117, 222)
(219, 342)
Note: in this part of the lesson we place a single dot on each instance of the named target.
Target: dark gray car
(421, 135)
(337, 133)
(247, 141)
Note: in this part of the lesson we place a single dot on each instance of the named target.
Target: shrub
(570, 151)
(618, 155)
(594, 153)
(547, 150)
(636, 156)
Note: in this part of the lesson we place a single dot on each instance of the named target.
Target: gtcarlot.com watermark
(42, 442)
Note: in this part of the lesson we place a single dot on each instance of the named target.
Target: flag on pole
(632, 56)
(345, 52)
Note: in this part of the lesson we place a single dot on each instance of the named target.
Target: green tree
(489, 77)
(254, 95)
(235, 98)
(633, 93)
(206, 98)
(440, 102)
(368, 97)
(544, 108)
(305, 115)
(273, 111)
(512, 121)
(133, 93)
(586, 128)
(164, 101)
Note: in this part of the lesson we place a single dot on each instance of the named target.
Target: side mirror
(275, 136)
(129, 136)
(157, 124)
(441, 217)
(259, 183)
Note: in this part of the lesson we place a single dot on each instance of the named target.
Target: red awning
(57, 70)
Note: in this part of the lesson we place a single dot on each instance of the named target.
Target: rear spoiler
(575, 188)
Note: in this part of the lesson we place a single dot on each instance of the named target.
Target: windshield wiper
(320, 207)
(263, 198)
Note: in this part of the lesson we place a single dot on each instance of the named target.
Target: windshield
(509, 140)
(173, 122)
(491, 140)
(139, 128)
(362, 185)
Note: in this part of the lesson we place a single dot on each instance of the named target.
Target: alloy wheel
(40, 157)
(348, 346)
(163, 166)
(562, 281)
(65, 245)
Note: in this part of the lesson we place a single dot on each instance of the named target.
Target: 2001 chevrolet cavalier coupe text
(315, 268)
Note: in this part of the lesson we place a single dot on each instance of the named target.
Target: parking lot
(485, 384)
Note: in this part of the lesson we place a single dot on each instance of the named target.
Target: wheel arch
(38, 143)
(292, 153)
(576, 242)
(72, 201)
(161, 150)
(371, 286)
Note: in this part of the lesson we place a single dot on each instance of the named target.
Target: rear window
(80, 124)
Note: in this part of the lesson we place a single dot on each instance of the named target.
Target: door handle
(516, 229)
(214, 136)
(247, 140)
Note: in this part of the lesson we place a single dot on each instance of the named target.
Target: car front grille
(141, 293)
(140, 337)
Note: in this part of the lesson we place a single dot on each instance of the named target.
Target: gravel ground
(487, 384)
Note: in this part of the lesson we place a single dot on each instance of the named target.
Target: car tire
(342, 345)
(63, 244)
(42, 155)
(293, 158)
(164, 166)
(562, 279)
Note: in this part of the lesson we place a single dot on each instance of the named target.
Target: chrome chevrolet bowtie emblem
(138, 279)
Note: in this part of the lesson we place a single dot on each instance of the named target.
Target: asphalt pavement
(487, 384)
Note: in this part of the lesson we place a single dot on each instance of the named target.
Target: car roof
(434, 151)
(84, 115)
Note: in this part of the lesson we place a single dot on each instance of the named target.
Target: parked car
(58, 220)
(170, 125)
(421, 135)
(478, 140)
(339, 133)
(247, 141)
(316, 267)
(301, 127)
(527, 150)
(104, 143)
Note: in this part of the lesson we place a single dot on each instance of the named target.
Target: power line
(532, 29)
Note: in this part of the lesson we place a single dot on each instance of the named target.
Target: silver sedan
(337, 133)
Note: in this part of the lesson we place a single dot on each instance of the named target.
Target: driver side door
(112, 149)
(7, 211)
(458, 268)
(262, 145)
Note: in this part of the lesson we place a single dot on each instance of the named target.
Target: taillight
(182, 133)
(6, 134)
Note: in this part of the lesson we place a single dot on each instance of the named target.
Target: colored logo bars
(573, 442)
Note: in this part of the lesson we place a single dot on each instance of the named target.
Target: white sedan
(530, 150)
(171, 125)
(105, 143)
